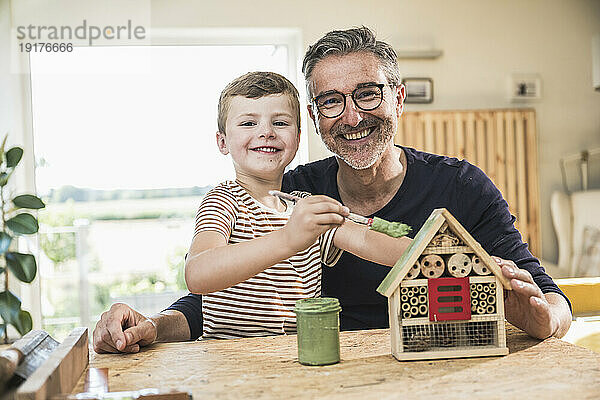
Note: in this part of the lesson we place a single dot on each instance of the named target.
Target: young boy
(253, 255)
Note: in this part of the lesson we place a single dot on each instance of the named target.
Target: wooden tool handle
(359, 219)
(9, 360)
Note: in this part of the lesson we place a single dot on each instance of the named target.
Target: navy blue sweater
(431, 181)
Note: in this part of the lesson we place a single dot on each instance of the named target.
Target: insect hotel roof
(422, 239)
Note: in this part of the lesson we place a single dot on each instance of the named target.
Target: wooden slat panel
(429, 134)
(490, 140)
(460, 135)
(410, 130)
(450, 137)
(511, 180)
(500, 154)
(500, 142)
(481, 155)
(470, 138)
(533, 194)
(439, 134)
(521, 177)
(418, 138)
(400, 137)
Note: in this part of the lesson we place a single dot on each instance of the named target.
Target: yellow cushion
(591, 342)
(584, 294)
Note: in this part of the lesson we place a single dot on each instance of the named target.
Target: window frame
(25, 176)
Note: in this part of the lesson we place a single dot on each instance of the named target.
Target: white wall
(5, 76)
(483, 42)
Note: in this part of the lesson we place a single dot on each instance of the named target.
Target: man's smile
(359, 135)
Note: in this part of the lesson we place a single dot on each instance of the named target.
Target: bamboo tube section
(483, 298)
(414, 302)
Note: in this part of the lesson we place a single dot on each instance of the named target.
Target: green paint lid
(317, 305)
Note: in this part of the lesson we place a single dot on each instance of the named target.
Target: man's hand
(526, 307)
(123, 330)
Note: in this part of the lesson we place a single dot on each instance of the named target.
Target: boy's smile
(266, 149)
(261, 135)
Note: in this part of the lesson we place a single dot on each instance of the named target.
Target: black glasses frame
(315, 100)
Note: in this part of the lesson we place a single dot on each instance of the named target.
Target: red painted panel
(449, 299)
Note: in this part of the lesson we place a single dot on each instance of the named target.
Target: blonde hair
(254, 85)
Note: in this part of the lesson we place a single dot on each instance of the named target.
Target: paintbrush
(393, 229)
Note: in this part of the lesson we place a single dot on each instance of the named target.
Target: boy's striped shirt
(263, 304)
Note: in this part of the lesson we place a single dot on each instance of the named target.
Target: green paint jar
(318, 322)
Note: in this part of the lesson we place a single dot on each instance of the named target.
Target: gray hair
(353, 40)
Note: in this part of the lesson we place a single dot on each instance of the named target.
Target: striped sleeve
(329, 253)
(217, 212)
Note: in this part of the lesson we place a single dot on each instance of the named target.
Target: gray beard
(384, 131)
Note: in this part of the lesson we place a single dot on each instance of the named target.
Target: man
(372, 176)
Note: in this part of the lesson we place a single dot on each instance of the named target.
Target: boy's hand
(312, 216)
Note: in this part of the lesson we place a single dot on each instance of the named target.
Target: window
(125, 147)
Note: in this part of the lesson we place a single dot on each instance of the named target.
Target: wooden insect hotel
(445, 295)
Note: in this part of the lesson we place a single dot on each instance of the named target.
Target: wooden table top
(268, 367)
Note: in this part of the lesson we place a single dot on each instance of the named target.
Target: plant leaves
(28, 201)
(10, 306)
(13, 156)
(5, 240)
(3, 178)
(23, 223)
(23, 266)
(2, 148)
(23, 323)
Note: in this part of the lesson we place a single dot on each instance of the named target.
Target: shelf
(419, 54)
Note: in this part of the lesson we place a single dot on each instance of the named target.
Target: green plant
(58, 247)
(15, 222)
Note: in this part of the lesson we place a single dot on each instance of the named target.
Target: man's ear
(222, 143)
(310, 111)
(312, 116)
(400, 96)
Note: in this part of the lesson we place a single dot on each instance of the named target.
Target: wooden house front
(445, 296)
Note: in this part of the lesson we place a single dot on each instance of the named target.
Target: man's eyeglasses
(367, 98)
